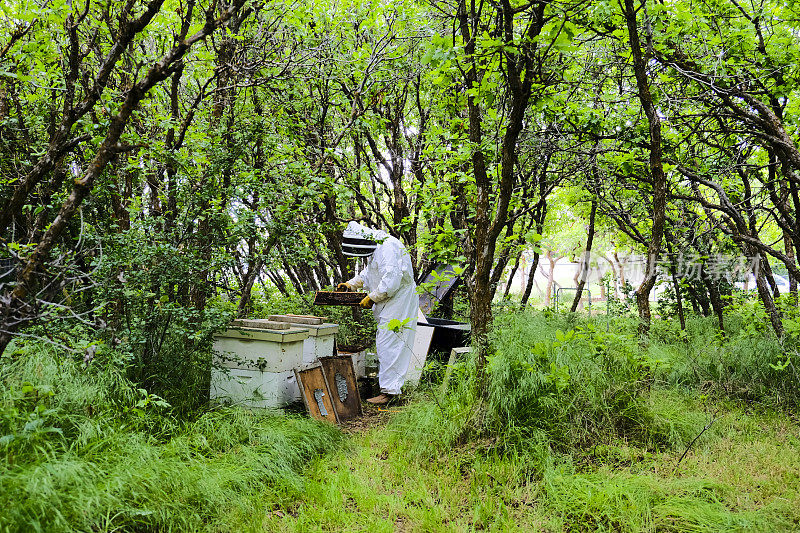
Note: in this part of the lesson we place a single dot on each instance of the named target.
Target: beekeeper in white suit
(392, 294)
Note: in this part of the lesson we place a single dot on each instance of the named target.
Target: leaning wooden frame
(329, 388)
(315, 392)
(340, 376)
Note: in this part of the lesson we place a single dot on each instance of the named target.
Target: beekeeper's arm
(357, 281)
(389, 260)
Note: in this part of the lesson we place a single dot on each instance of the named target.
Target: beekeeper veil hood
(361, 241)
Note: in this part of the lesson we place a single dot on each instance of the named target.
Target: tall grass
(589, 423)
(621, 502)
(574, 387)
(83, 449)
(554, 382)
(564, 382)
(747, 362)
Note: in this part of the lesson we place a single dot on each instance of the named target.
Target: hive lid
(298, 319)
(327, 328)
(259, 323)
(245, 334)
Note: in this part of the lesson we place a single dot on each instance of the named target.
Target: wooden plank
(331, 394)
(341, 378)
(314, 390)
(297, 319)
(259, 323)
(339, 298)
(302, 390)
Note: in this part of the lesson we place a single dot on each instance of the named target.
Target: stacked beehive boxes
(256, 358)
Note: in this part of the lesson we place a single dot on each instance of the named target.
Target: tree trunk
(249, 279)
(481, 316)
(530, 281)
(502, 261)
(659, 179)
(586, 259)
(278, 281)
(789, 248)
(511, 275)
(540, 214)
(678, 299)
(716, 301)
(673, 269)
(550, 278)
(768, 301)
(620, 272)
(769, 277)
(492, 198)
(292, 277)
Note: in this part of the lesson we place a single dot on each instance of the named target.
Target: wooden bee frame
(343, 385)
(315, 392)
(351, 299)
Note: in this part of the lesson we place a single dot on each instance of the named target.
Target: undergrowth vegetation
(83, 449)
(555, 382)
(578, 426)
(566, 382)
(740, 477)
(597, 424)
(748, 362)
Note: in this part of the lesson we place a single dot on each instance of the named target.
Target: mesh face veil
(356, 241)
(355, 247)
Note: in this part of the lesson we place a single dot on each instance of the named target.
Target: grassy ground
(743, 474)
(83, 450)
(580, 429)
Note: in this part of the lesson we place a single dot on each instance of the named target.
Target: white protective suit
(389, 280)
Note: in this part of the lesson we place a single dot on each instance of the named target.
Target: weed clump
(549, 386)
(575, 387)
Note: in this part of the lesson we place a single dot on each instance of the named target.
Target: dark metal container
(447, 334)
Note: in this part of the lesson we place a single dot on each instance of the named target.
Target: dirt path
(373, 416)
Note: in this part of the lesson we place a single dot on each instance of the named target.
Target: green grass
(83, 450)
(581, 429)
(740, 476)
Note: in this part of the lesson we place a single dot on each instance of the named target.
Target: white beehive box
(258, 366)
(319, 342)
(321, 335)
(253, 388)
